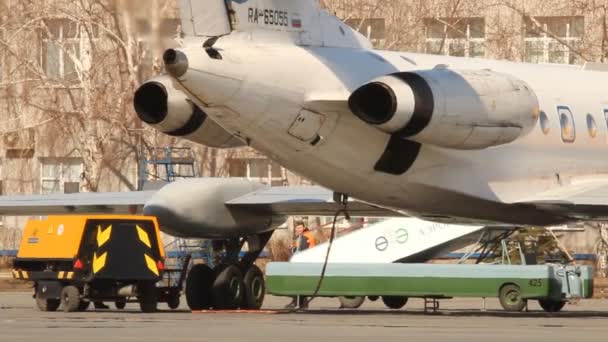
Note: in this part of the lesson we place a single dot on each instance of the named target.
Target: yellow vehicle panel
(59, 237)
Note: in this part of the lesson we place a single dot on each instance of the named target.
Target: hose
(342, 211)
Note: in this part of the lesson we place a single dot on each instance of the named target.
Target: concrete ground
(458, 320)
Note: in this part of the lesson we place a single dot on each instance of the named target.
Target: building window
(59, 175)
(62, 48)
(261, 170)
(566, 120)
(551, 39)
(464, 37)
(372, 28)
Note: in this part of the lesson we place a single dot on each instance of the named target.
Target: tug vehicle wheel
(148, 297)
(551, 305)
(173, 302)
(228, 288)
(510, 298)
(394, 302)
(47, 305)
(351, 302)
(83, 305)
(255, 288)
(120, 304)
(199, 287)
(70, 298)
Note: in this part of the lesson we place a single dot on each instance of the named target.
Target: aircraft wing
(304, 200)
(581, 200)
(89, 202)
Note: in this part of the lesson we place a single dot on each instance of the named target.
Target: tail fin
(303, 20)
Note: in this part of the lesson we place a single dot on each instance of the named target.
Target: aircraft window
(545, 125)
(566, 121)
(591, 126)
(606, 116)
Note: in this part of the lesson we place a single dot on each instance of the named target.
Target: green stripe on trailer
(404, 286)
(430, 280)
(410, 270)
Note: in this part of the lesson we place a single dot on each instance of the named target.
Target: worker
(304, 240)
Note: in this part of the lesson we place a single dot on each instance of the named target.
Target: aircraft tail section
(302, 22)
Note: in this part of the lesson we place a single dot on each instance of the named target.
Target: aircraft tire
(254, 288)
(148, 297)
(199, 287)
(351, 302)
(228, 288)
(551, 305)
(47, 305)
(394, 302)
(70, 298)
(510, 298)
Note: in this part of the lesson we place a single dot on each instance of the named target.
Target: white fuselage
(257, 91)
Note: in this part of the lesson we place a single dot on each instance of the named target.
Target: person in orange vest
(304, 240)
(304, 237)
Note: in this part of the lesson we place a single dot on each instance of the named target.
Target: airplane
(446, 139)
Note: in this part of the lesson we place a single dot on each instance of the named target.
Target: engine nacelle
(195, 208)
(460, 109)
(161, 105)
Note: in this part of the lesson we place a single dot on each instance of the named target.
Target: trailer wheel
(83, 305)
(255, 289)
(199, 286)
(47, 305)
(228, 288)
(148, 297)
(551, 305)
(373, 298)
(351, 302)
(510, 298)
(394, 302)
(173, 302)
(70, 298)
(120, 304)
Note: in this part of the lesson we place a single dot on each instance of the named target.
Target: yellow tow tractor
(76, 260)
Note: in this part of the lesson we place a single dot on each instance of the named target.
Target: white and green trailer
(551, 284)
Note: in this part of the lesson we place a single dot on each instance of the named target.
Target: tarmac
(457, 320)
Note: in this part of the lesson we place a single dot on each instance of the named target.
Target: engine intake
(470, 109)
(151, 103)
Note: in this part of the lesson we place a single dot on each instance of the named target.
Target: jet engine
(196, 208)
(161, 105)
(459, 109)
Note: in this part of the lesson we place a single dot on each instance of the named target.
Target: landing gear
(228, 288)
(255, 289)
(235, 284)
(198, 287)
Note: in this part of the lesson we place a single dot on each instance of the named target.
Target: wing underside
(577, 201)
(90, 203)
(304, 200)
